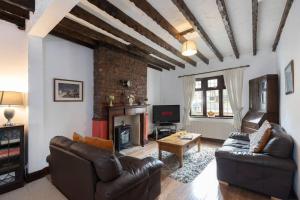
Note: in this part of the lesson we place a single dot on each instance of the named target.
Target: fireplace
(135, 110)
(122, 137)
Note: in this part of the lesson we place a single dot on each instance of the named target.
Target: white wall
(13, 65)
(289, 49)
(65, 60)
(153, 92)
(171, 88)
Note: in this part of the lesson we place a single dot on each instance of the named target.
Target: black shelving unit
(163, 130)
(11, 157)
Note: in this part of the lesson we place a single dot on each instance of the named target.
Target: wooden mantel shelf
(117, 107)
(127, 110)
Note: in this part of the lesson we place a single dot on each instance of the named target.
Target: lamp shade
(11, 98)
(189, 48)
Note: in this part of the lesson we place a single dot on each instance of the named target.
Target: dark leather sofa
(270, 172)
(83, 172)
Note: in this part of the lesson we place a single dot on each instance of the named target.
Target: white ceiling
(207, 13)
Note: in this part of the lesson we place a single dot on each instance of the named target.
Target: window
(212, 101)
(211, 98)
(212, 83)
(198, 85)
(227, 111)
(197, 103)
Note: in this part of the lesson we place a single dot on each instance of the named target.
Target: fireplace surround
(126, 110)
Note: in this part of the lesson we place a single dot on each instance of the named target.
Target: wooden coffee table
(174, 144)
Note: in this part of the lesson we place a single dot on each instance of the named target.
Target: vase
(130, 100)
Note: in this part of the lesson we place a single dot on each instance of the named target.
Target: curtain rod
(215, 71)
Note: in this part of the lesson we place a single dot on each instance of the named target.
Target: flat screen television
(166, 114)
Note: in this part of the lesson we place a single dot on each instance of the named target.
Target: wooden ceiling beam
(110, 42)
(134, 54)
(24, 4)
(254, 25)
(15, 10)
(154, 60)
(86, 16)
(191, 30)
(120, 15)
(61, 32)
(285, 14)
(89, 33)
(197, 26)
(154, 67)
(225, 17)
(20, 22)
(162, 22)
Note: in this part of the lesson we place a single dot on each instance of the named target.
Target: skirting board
(36, 175)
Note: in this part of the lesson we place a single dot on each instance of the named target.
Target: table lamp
(8, 98)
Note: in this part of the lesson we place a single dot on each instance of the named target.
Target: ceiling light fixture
(189, 48)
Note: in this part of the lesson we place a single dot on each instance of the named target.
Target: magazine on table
(186, 137)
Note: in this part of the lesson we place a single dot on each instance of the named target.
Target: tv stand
(166, 124)
(164, 129)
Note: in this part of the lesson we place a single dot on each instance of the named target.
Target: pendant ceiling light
(189, 48)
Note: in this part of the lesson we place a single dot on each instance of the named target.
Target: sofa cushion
(132, 183)
(255, 159)
(108, 169)
(281, 144)
(122, 188)
(106, 164)
(239, 136)
(239, 144)
(62, 142)
(232, 149)
(149, 164)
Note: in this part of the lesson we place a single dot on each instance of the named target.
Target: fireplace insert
(122, 137)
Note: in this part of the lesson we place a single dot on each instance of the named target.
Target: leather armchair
(81, 171)
(270, 172)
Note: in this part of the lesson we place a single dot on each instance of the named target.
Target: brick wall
(111, 67)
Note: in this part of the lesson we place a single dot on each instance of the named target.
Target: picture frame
(289, 78)
(65, 90)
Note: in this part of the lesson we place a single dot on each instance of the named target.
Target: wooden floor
(204, 187)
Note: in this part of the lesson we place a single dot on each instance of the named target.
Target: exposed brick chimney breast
(109, 68)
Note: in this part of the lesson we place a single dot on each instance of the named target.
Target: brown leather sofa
(270, 172)
(83, 172)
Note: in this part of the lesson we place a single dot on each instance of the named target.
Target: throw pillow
(77, 137)
(99, 143)
(260, 138)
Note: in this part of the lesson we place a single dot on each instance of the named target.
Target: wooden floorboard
(204, 187)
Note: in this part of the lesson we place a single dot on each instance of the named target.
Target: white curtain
(188, 85)
(234, 84)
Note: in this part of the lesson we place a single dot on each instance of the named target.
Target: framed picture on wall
(289, 78)
(68, 90)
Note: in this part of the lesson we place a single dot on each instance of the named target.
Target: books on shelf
(11, 141)
(9, 152)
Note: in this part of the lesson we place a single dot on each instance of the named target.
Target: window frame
(204, 88)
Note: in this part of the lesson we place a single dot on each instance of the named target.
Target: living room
(167, 88)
